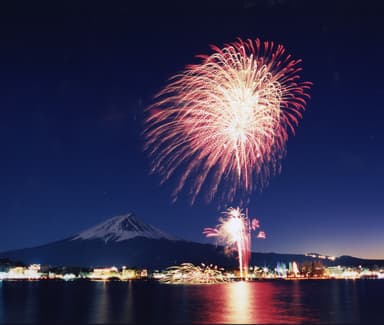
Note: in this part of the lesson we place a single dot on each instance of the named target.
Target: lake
(264, 301)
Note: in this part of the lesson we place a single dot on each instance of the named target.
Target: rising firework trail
(234, 231)
(224, 123)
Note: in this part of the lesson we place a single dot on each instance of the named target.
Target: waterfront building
(128, 274)
(21, 272)
(105, 273)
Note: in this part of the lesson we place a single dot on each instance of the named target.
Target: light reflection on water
(239, 301)
(99, 304)
(1, 303)
(253, 303)
(262, 302)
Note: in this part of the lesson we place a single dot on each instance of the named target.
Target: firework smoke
(226, 119)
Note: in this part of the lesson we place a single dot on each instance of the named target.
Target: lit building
(158, 275)
(20, 272)
(128, 274)
(33, 271)
(144, 273)
(105, 273)
(69, 276)
(350, 274)
(335, 272)
(16, 272)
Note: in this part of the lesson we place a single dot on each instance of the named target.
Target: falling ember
(226, 119)
(234, 230)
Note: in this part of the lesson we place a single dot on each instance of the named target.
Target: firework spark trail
(187, 273)
(226, 120)
(235, 229)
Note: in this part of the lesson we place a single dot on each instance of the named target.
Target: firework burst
(234, 231)
(227, 119)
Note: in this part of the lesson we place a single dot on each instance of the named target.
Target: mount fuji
(121, 228)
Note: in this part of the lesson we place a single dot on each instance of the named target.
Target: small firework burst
(234, 231)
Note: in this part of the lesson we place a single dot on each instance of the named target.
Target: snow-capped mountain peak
(121, 228)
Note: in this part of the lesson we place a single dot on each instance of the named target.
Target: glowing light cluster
(187, 273)
(226, 119)
(234, 231)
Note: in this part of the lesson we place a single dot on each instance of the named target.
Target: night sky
(74, 83)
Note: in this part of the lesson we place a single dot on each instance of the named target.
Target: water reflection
(128, 315)
(256, 302)
(111, 302)
(1, 303)
(250, 303)
(99, 308)
(343, 305)
(239, 300)
(32, 303)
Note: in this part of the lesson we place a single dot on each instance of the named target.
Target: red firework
(227, 119)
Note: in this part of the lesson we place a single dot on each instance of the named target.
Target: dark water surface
(275, 301)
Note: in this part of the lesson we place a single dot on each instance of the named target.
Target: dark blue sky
(74, 81)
